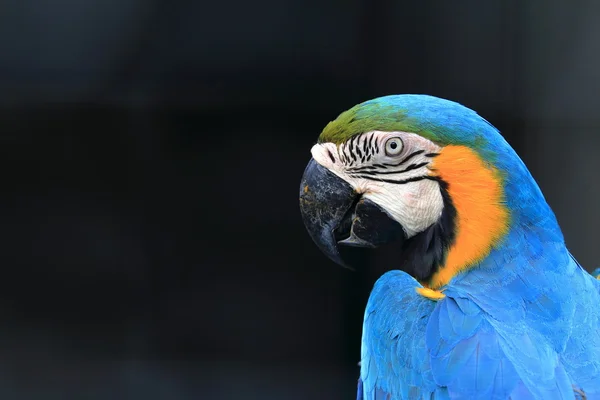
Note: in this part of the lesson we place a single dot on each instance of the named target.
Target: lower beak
(335, 214)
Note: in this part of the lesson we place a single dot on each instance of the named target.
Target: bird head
(424, 175)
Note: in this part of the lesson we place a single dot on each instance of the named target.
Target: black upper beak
(334, 213)
(324, 201)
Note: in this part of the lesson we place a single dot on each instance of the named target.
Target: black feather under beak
(334, 213)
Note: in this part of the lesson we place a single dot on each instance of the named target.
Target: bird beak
(335, 214)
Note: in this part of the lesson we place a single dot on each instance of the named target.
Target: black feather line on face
(377, 173)
(342, 153)
(408, 157)
(424, 254)
(331, 156)
(359, 152)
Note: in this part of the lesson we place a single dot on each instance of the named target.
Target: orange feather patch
(475, 188)
(431, 294)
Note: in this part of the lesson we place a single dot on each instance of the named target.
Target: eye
(393, 147)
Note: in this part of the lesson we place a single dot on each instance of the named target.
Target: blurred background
(151, 154)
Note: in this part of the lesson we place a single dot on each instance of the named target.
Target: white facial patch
(390, 169)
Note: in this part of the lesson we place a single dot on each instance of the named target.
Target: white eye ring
(393, 146)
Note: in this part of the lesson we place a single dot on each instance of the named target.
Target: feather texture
(523, 323)
(415, 348)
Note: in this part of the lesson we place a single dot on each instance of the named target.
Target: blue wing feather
(471, 364)
(393, 344)
(466, 347)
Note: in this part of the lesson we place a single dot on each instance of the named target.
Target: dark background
(151, 153)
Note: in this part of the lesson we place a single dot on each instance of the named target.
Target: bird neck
(495, 212)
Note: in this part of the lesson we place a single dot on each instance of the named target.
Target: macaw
(485, 300)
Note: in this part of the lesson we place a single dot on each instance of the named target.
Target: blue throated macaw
(485, 301)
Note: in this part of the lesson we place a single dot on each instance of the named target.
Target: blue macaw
(485, 301)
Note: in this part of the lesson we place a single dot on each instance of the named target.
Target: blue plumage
(523, 324)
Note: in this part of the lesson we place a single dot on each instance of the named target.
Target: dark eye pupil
(393, 145)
